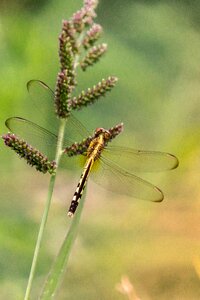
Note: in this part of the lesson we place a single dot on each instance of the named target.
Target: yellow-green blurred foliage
(154, 49)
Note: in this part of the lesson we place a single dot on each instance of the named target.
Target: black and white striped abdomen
(80, 188)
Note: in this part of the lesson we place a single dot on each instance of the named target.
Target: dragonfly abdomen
(80, 188)
(94, 151)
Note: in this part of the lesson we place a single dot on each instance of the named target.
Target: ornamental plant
(78, 47)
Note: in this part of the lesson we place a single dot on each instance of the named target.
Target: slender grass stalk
(46, 210)
(58, 155)
(67, 78)
(57, 271)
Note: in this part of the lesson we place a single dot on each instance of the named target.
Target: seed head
(114, 131)
(64, 87)
(32, 156)
(93, 56)
(78, 148)
(92, 35)
(93, 94)
(85, 16)
(82, 147)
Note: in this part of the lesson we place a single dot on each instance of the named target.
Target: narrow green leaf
(58, 268)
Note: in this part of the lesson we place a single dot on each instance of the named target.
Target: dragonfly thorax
(96, 146)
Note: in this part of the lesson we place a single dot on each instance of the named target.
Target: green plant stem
(77, 56)
(58, 268)
(50, 192)
(46, 210)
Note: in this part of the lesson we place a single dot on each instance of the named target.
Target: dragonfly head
(100, 130)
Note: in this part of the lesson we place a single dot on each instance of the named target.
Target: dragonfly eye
(99, 130)
(105, 132)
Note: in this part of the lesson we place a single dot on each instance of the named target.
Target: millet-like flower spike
(82, 147)
(77, 20)
(64, 87)
(66, 77)
(84, 17)
(69, 32)
(114, 131)
(32, 156)
(92, 35)
(78, 148)
(91, 4)
(92, 94)
(93, 56)
(66, 52)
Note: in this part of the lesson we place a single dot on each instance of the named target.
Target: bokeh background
(154, 49)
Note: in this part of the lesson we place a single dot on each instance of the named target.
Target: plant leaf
(58, 268)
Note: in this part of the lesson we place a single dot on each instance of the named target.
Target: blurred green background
(154, 49)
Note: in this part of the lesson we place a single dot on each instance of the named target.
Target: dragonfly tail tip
(70, 214)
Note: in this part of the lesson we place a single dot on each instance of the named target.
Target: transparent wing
(42, 97)
(41, 106)
(33, 134)
(40, 92)
(36, 136)
(138, 160)
(120, 181)
(43, 134)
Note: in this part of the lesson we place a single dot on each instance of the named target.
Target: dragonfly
(113, 167)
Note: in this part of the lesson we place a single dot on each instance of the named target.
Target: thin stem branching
(46, 210)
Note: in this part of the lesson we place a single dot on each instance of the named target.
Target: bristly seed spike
(32, 156)
(85, 16)
(92, 35)
(93, 55)
(93, 94)
(81, 148)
